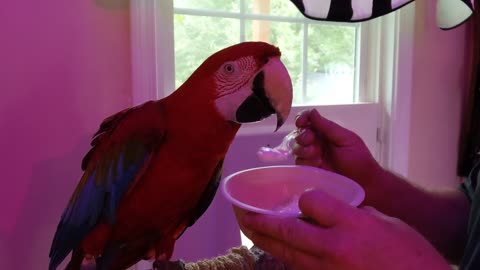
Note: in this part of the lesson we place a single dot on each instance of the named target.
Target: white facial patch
(234, 86)
(228, 81)
(227, 105)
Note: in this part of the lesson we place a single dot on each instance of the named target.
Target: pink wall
(65, 65)
(438, 89)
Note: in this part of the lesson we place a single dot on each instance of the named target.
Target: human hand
(325, 144)
(339, 236)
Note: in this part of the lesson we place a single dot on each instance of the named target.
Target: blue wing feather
(121, 148)
(93, 203)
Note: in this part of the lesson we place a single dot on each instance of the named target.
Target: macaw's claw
(168, 265)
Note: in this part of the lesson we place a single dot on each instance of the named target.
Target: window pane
(275, 7)
(289, 38)
(331, 65)
(197, 37)
(225, 5)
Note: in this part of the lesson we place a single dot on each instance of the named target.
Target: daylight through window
(321, 57)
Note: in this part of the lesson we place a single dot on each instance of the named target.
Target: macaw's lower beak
(272, 93)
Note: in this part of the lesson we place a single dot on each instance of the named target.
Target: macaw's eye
(229, 68)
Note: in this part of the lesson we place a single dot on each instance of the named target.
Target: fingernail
(303, 132)
(300, 134)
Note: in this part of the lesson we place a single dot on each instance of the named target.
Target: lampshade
(450, 13)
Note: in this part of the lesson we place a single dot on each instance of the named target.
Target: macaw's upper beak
(272, 93)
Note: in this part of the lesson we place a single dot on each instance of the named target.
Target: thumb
(323, 209)
(329, 130)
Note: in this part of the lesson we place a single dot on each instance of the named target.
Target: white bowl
(275, 190)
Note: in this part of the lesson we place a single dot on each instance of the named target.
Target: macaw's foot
(168, 265)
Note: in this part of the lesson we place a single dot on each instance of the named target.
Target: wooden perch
(238, 258)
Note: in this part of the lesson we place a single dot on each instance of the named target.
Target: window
(329, 63)
(350, 72)
(321, 57)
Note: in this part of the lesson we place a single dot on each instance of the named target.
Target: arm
(441, 216)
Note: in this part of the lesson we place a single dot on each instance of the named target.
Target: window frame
(391, 36)
(243, 17)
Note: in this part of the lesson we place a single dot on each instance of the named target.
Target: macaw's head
(249, 82)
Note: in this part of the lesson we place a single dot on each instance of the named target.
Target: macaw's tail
(132, 253)
(76, 260)
(129, 254)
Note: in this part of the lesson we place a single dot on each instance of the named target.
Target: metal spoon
(280, 152)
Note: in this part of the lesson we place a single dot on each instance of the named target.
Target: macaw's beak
(272, 94)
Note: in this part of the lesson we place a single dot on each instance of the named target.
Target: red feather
(152, 171)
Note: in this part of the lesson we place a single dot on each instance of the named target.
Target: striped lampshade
(450, 13)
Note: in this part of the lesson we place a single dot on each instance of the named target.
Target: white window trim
(153, 63)
(152, 60)
(396, 67)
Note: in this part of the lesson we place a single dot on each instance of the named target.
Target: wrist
(377, 186)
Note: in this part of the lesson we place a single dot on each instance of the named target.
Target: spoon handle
(286, 145)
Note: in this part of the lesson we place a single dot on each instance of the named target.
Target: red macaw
(153, 169)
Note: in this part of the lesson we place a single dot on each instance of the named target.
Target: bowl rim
(356, 200)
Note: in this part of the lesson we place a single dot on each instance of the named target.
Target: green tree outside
(197, 37)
